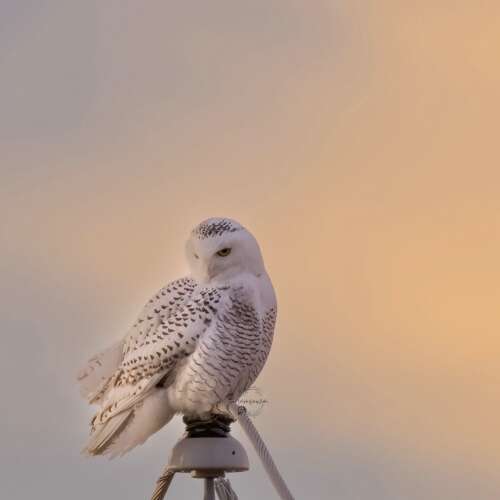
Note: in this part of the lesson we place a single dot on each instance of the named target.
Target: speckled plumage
(199, 341)
(211, 228)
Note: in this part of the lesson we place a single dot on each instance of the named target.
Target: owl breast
(227, 359)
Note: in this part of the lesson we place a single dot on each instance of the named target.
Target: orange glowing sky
(358, 141)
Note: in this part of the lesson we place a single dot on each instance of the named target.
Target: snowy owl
(200, 341)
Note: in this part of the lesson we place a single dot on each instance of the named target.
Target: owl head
(219, 249)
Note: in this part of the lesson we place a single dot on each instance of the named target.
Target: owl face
(219, 249)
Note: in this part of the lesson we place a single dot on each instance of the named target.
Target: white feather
(203, 338)
(148, 418)
(98, 370)
(132, 427)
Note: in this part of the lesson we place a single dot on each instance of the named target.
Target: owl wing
(220, 333)
(164, 304)
(95, 376)
(150, 357)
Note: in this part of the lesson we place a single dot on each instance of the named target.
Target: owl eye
(224, 252)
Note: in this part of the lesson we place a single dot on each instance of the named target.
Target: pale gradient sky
(358, 140)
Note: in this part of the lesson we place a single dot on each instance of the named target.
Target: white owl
(200, 341)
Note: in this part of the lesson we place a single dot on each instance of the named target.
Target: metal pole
(207, 451)
(209, 489)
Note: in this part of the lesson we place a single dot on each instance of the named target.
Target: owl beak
(206, 273)
(210, 271)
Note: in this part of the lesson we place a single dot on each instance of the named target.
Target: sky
(358, 141)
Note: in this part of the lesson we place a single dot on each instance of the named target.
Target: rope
(162, 484)
(224, 490)
(240, 413)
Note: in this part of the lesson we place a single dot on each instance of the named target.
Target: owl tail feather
(131, 427)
